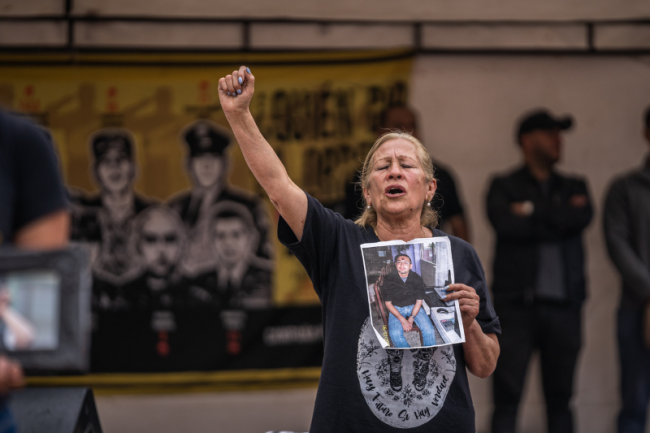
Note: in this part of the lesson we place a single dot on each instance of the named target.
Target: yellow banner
(320, 112)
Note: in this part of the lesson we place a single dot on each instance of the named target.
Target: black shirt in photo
(403, 293)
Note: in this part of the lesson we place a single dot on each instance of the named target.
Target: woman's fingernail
(240, 80)
(228, 93)
(239, 91)
(248, 70)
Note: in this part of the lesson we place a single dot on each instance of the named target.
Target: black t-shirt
(402, 293)
(30, 183)
(355, 393)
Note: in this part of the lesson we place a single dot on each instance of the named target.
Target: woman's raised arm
(235, 94)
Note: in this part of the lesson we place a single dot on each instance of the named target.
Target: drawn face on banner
(115, 171)
(206, 169)
(160, 243)
(232, 240)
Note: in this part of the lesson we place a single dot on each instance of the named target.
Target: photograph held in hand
(407, 285)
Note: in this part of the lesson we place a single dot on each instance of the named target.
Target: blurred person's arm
(11, 375)
(574, 214)
(459, 227)
(526, 221)
(511, 220)
(448, 204)
(556, 215)
(51, 231)
(617, 224)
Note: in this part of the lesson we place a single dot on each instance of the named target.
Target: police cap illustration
(202, 137)
(108, 139)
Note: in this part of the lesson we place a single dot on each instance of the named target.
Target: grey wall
(351, 9)
(468, 106)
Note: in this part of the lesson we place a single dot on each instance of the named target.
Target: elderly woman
(364, 388)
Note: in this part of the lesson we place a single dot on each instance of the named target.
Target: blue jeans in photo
(422, 320)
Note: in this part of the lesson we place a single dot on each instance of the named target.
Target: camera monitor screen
(45, 309)
(29, 310)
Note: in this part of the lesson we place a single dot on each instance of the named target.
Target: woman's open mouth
(394, 191)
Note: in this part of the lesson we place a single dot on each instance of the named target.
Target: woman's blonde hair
(428, 217)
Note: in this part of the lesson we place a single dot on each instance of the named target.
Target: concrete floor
(236, 412)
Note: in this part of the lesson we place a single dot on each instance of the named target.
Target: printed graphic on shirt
(403, 388)
(407, 284)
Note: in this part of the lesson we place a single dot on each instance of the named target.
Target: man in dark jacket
(539, 282)
(627, 232)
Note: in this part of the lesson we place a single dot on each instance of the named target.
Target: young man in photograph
(403, 294)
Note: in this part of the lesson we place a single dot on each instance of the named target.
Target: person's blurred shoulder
(17, 130)
(459, 247)
(456, 242)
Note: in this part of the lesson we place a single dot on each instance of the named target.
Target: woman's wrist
(239, 116)
(474, 327)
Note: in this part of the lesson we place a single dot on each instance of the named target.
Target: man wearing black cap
(207, 165)
(105, 220)
(539, 283)
(627, 232)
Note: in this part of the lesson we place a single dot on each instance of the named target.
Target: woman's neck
(402, 230)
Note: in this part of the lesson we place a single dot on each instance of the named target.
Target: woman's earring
(368, 206)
